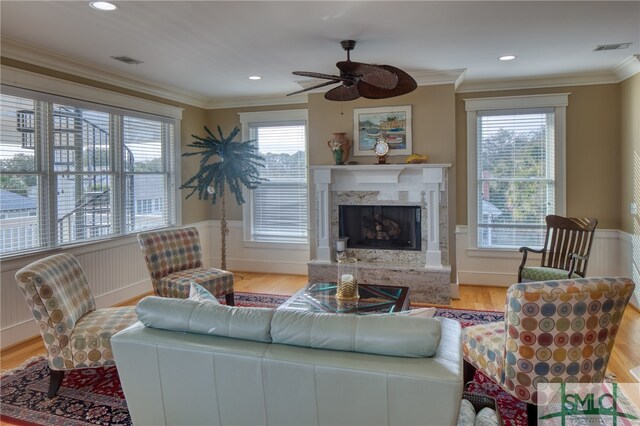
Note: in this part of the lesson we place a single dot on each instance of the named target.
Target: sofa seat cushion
(394, 335)
(484, 346)
(178, 284)
(206, 318)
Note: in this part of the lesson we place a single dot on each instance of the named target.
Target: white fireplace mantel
(387, 179)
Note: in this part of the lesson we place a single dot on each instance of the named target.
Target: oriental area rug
(94, 396)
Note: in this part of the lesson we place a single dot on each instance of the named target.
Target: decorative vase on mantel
(340, 146)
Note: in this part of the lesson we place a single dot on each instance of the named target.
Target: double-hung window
(515, 168)
(75, 171)
(277, 210)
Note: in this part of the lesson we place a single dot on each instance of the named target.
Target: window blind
(516, 176)
(74, 173)
(280, 205)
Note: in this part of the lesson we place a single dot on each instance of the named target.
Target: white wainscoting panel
(610, 256)
(253, 256)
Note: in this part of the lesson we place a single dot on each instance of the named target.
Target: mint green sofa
(190, 362)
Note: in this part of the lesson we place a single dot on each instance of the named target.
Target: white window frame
(246, 119)
(18, 82)
(557, 101)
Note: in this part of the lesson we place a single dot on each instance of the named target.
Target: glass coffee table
(321, 297)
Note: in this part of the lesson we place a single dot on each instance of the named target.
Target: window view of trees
(515, 179)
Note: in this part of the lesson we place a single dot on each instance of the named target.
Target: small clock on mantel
(381, 148)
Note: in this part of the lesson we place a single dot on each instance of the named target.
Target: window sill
(275, 245)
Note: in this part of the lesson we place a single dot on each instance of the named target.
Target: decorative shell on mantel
(416, 159)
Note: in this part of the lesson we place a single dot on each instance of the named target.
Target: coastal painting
(393, 124)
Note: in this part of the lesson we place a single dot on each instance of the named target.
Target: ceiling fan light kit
(358, 79)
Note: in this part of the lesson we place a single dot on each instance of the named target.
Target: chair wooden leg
(230, 299)
(56, 377)
(468, 372)
(532, 414)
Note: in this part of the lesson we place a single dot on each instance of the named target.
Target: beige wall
(593, 151)
(193, 118)
(630, 152)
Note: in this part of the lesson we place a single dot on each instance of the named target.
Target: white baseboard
(455, 291)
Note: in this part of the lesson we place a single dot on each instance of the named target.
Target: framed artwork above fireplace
(392, 123)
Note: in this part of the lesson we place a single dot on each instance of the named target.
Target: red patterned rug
(94, 396)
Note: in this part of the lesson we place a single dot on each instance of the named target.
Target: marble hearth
(426, 271)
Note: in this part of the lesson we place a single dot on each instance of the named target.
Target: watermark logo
(578, 404)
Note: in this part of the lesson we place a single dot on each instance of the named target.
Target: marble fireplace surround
(426, 272)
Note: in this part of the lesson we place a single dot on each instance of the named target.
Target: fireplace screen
(381, 227)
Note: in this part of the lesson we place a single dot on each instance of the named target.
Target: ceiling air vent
(127, 60)
(614, 46)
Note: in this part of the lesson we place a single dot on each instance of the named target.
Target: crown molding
(538, 83)
(433, 78)
(253, 101)
(45, 58)
(627, 68)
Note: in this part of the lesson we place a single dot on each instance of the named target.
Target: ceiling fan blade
(406, 84)
(372, 74)
(342, 93)
(321, 75)
(314, 87)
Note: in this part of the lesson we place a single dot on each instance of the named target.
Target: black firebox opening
(381, 227)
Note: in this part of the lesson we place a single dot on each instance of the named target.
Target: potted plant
(224, 164)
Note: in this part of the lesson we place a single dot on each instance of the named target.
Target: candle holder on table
(347, 286)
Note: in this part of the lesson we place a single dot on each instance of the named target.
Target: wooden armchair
(566, 250)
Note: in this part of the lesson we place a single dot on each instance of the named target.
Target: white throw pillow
(201, 294)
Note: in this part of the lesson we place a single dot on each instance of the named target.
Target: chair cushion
(483, 346)
(90, 341)
(178, 284)
(395, 335)
(206, 318)
(539, 273)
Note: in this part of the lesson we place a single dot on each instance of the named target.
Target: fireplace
(381, 227)
(396, 218)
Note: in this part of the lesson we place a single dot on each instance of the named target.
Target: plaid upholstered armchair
(75, 334)
(174, 260)
(554, 332)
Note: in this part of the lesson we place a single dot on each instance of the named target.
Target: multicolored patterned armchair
(554, 332)
(75, 334)
(174, 260)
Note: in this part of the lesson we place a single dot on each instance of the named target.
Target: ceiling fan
(359, 79)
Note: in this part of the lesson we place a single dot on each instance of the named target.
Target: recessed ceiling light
(255, 77)
(507, 57)
(102, 5)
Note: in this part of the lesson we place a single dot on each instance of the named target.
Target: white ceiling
(209, 48)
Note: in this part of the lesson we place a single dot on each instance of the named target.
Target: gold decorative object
(347, 286)
(416, 159)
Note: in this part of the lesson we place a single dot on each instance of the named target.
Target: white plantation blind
(516, 177)
(74, 171)
(279, 206)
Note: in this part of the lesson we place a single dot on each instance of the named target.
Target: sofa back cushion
(393, 335)
(206, 317)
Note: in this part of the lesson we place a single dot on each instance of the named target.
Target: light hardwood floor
(625, 352)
